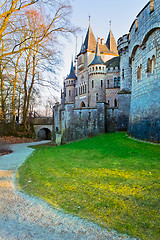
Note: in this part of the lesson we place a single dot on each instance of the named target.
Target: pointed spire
(111, 43)
(89, 42)
(72, 74)
(97, 48)
(97, 59)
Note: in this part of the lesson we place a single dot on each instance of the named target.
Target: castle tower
(124, 96)
(70, 86)
(97, 72)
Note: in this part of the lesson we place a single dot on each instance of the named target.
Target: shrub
(4, 147)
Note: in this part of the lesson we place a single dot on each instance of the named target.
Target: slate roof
(113, 62)
(111, 43)
(97, 59)
(72, 74)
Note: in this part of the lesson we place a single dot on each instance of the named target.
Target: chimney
(102, 39)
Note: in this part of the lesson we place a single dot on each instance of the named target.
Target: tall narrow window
(118, 81)
(92, 83)
(101, 83)
(69, 92)
(115, 103)
(115, 82)
(151, 5)
(76, 92)
(123, 73)
(96, 96)
(139, 72)
(107, 83)
(151, 65)
(85, 88)
(79, 91)
(136, 24)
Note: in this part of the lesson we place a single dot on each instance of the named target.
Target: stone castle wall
(144, 44)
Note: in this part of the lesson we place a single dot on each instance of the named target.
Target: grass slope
(110, 179)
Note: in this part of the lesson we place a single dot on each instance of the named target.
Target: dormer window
(151, 6)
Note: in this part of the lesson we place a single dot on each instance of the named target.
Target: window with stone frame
(101, 83)
(69, 92)
(139, 72)
(108, 83)
(115, 102)
(123, 73)
(96, 96)
(151, 5)
(85, 88)
(92, 83)
(151, 65)
(115, 82)
(119, 81)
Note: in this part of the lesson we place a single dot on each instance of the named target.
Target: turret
(70, 86)
(125, 68)
(124, 96)
(97, 72)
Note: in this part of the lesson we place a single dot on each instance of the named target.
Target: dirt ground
(15, 140)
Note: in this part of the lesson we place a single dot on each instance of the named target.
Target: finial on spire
(110, 23)
(89, 18)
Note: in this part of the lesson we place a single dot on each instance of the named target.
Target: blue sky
(121, 12)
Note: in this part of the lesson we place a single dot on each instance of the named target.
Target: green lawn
(110, 179)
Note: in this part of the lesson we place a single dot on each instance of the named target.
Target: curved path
(24, 217)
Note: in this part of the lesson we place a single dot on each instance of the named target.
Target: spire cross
(110, 23)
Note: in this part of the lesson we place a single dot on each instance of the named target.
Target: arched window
(92, 68)
(115, 103)
(85, 88)
(76, 93)
(82, 104)
(118, 81)
(96, 68)
(99, 68)
(92, 83)
(139, 72)
(79, 91)
(115, 82)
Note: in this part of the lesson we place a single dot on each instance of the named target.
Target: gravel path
(24, 217)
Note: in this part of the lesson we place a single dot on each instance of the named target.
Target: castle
(104, 92)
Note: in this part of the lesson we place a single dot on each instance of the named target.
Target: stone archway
(44, 134)
(82, 104)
